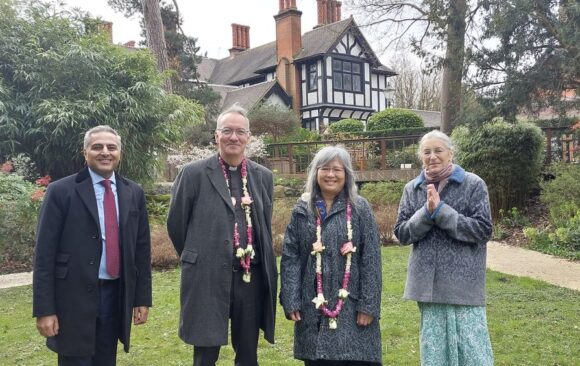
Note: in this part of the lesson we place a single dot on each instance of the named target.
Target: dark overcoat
(201, 225)
(67, 257)
(313, 338)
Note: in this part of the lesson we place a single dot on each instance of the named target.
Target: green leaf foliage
(383, 192)
(562, 193)
(273, 120)
(347, 125)
(56, 82)
(393, 118)
(508, 157)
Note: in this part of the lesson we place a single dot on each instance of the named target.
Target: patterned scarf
(439, 179)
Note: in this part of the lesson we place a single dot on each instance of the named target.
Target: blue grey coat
(447, 263)
(312, 337)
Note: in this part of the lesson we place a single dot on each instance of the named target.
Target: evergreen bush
(508, 157)
(393, 118)
(561, 195)
(347, 126)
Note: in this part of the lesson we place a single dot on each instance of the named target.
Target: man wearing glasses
(220, 225)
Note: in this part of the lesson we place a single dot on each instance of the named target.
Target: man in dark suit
(220, 225)
(92, 267)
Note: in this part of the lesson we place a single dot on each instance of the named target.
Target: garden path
(500, 257)
(528, 263)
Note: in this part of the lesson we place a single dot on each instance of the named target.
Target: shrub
(508, 157)
(386, 216)
(280, 220)
(564, 241)
(19, 204)
(273, 120)
(158, 207)
(562, 197)
(348, 126)
(163, 255)
(56, 82)
(383, 192)
(393, 118)
(407, 155)
(562, 194)
(513, 218)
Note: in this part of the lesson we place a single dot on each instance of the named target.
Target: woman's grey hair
(234, 108)
(97, 129)
(322, 158)
(435, 134)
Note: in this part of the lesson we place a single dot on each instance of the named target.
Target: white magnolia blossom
(185, 154)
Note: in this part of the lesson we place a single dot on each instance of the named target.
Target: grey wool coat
(201, 227)
(313, 339)
(447, 263)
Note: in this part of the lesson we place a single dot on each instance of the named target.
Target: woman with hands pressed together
(445, 214)
(331, 268)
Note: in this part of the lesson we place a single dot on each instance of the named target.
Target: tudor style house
(325, 75)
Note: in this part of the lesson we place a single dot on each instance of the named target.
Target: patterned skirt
(454, 335)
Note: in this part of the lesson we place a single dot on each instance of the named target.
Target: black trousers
(246, 307)
(108, 330)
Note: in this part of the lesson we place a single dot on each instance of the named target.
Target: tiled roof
(249, 96)
(245, 65)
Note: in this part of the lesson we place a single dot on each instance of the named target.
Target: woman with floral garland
(445, 214)
(331, 268)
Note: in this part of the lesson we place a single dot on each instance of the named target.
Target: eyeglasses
(240, 132)
(437, 152)
(327, 169)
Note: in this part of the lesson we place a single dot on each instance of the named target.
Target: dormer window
(347, 75)
(312, 76)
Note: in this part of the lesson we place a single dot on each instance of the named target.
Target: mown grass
(531, 323)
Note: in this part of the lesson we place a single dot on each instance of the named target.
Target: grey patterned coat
(312, 337)
(447, 263)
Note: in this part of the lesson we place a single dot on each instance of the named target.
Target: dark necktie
(111, 230)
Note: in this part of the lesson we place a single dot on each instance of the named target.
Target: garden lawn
(531, 323)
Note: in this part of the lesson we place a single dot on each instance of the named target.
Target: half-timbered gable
(326, 74)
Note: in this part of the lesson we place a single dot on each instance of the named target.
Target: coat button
(90, 288)
(226, 242)
(91, 262)
(225, 265)
(94, 236)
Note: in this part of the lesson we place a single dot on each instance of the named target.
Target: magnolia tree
(187, 153)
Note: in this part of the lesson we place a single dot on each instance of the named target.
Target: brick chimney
(329, 11)
(240, 38)
(288, 45)
(130, 44)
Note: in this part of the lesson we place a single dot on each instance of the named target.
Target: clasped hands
(432, 198)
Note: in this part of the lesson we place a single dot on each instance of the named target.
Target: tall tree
(415, 87)
(453, 65)
(529, 55)
(425, 21)
(56, 82)
(156, 36)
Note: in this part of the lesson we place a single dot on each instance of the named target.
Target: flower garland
(347, 249)
(247, 254)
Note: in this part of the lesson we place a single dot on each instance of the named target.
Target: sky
(211, 22)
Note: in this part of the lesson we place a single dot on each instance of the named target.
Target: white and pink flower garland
(347, 249)
(244, 255)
